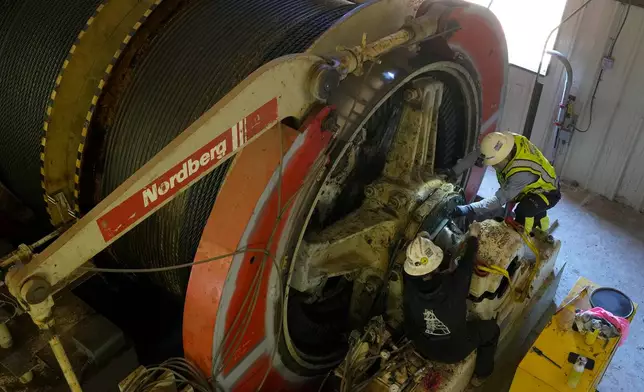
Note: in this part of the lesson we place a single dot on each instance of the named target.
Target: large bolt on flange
(370, 191)
(325, 78)
(36, 290)
(398, 200)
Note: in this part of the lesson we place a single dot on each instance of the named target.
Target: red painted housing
(227, 333)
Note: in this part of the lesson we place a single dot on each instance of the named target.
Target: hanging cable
(543, 52)
(225, 354)
(601, 72)
(174, 267)
(545, 45)
(325, 379)
(182, 372)
(281, 289)
(592, 104)
(621, 27)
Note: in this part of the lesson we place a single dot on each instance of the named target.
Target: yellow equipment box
(556, 341)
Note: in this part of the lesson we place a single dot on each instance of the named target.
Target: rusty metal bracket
(58, 203)
(351, 59)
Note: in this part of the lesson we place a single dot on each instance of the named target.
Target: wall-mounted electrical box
(607, 63)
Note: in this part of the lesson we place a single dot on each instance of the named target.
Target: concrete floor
(603, 241)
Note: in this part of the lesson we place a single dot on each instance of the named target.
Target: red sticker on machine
(130, 211)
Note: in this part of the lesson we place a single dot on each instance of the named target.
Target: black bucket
(613, 301)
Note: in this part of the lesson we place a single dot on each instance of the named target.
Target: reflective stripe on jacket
(528, 158)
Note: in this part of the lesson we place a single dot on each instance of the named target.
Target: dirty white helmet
(496, 146)
(423, 256)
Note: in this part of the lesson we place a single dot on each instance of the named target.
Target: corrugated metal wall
(609, 158)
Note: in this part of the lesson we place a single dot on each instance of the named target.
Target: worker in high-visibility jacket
(526, 177)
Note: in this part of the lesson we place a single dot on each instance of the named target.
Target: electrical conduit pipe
(563, 103)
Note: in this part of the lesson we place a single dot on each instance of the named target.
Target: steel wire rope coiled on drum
(206, 49)
(450, 140)
(35, 38)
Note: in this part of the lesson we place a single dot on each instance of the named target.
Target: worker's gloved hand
(459, 211)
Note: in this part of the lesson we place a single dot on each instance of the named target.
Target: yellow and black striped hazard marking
(52, 99)
(97, 94)
(93, 56)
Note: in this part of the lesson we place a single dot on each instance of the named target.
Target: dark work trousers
(531, 210)
(481, 335)
(484, 335)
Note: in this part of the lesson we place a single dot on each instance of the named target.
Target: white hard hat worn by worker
(496, 146)
(526, 178)
(423, 256)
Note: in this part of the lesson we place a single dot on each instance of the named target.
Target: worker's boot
(477, 381)
(542, 236)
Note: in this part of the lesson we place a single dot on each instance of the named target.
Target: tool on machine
(541, 354)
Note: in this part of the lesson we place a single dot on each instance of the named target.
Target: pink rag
(620, 323)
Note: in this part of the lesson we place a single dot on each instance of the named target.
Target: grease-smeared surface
(603, 241)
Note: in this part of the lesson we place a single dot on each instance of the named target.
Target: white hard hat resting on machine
(496, 146)
(423, 256)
